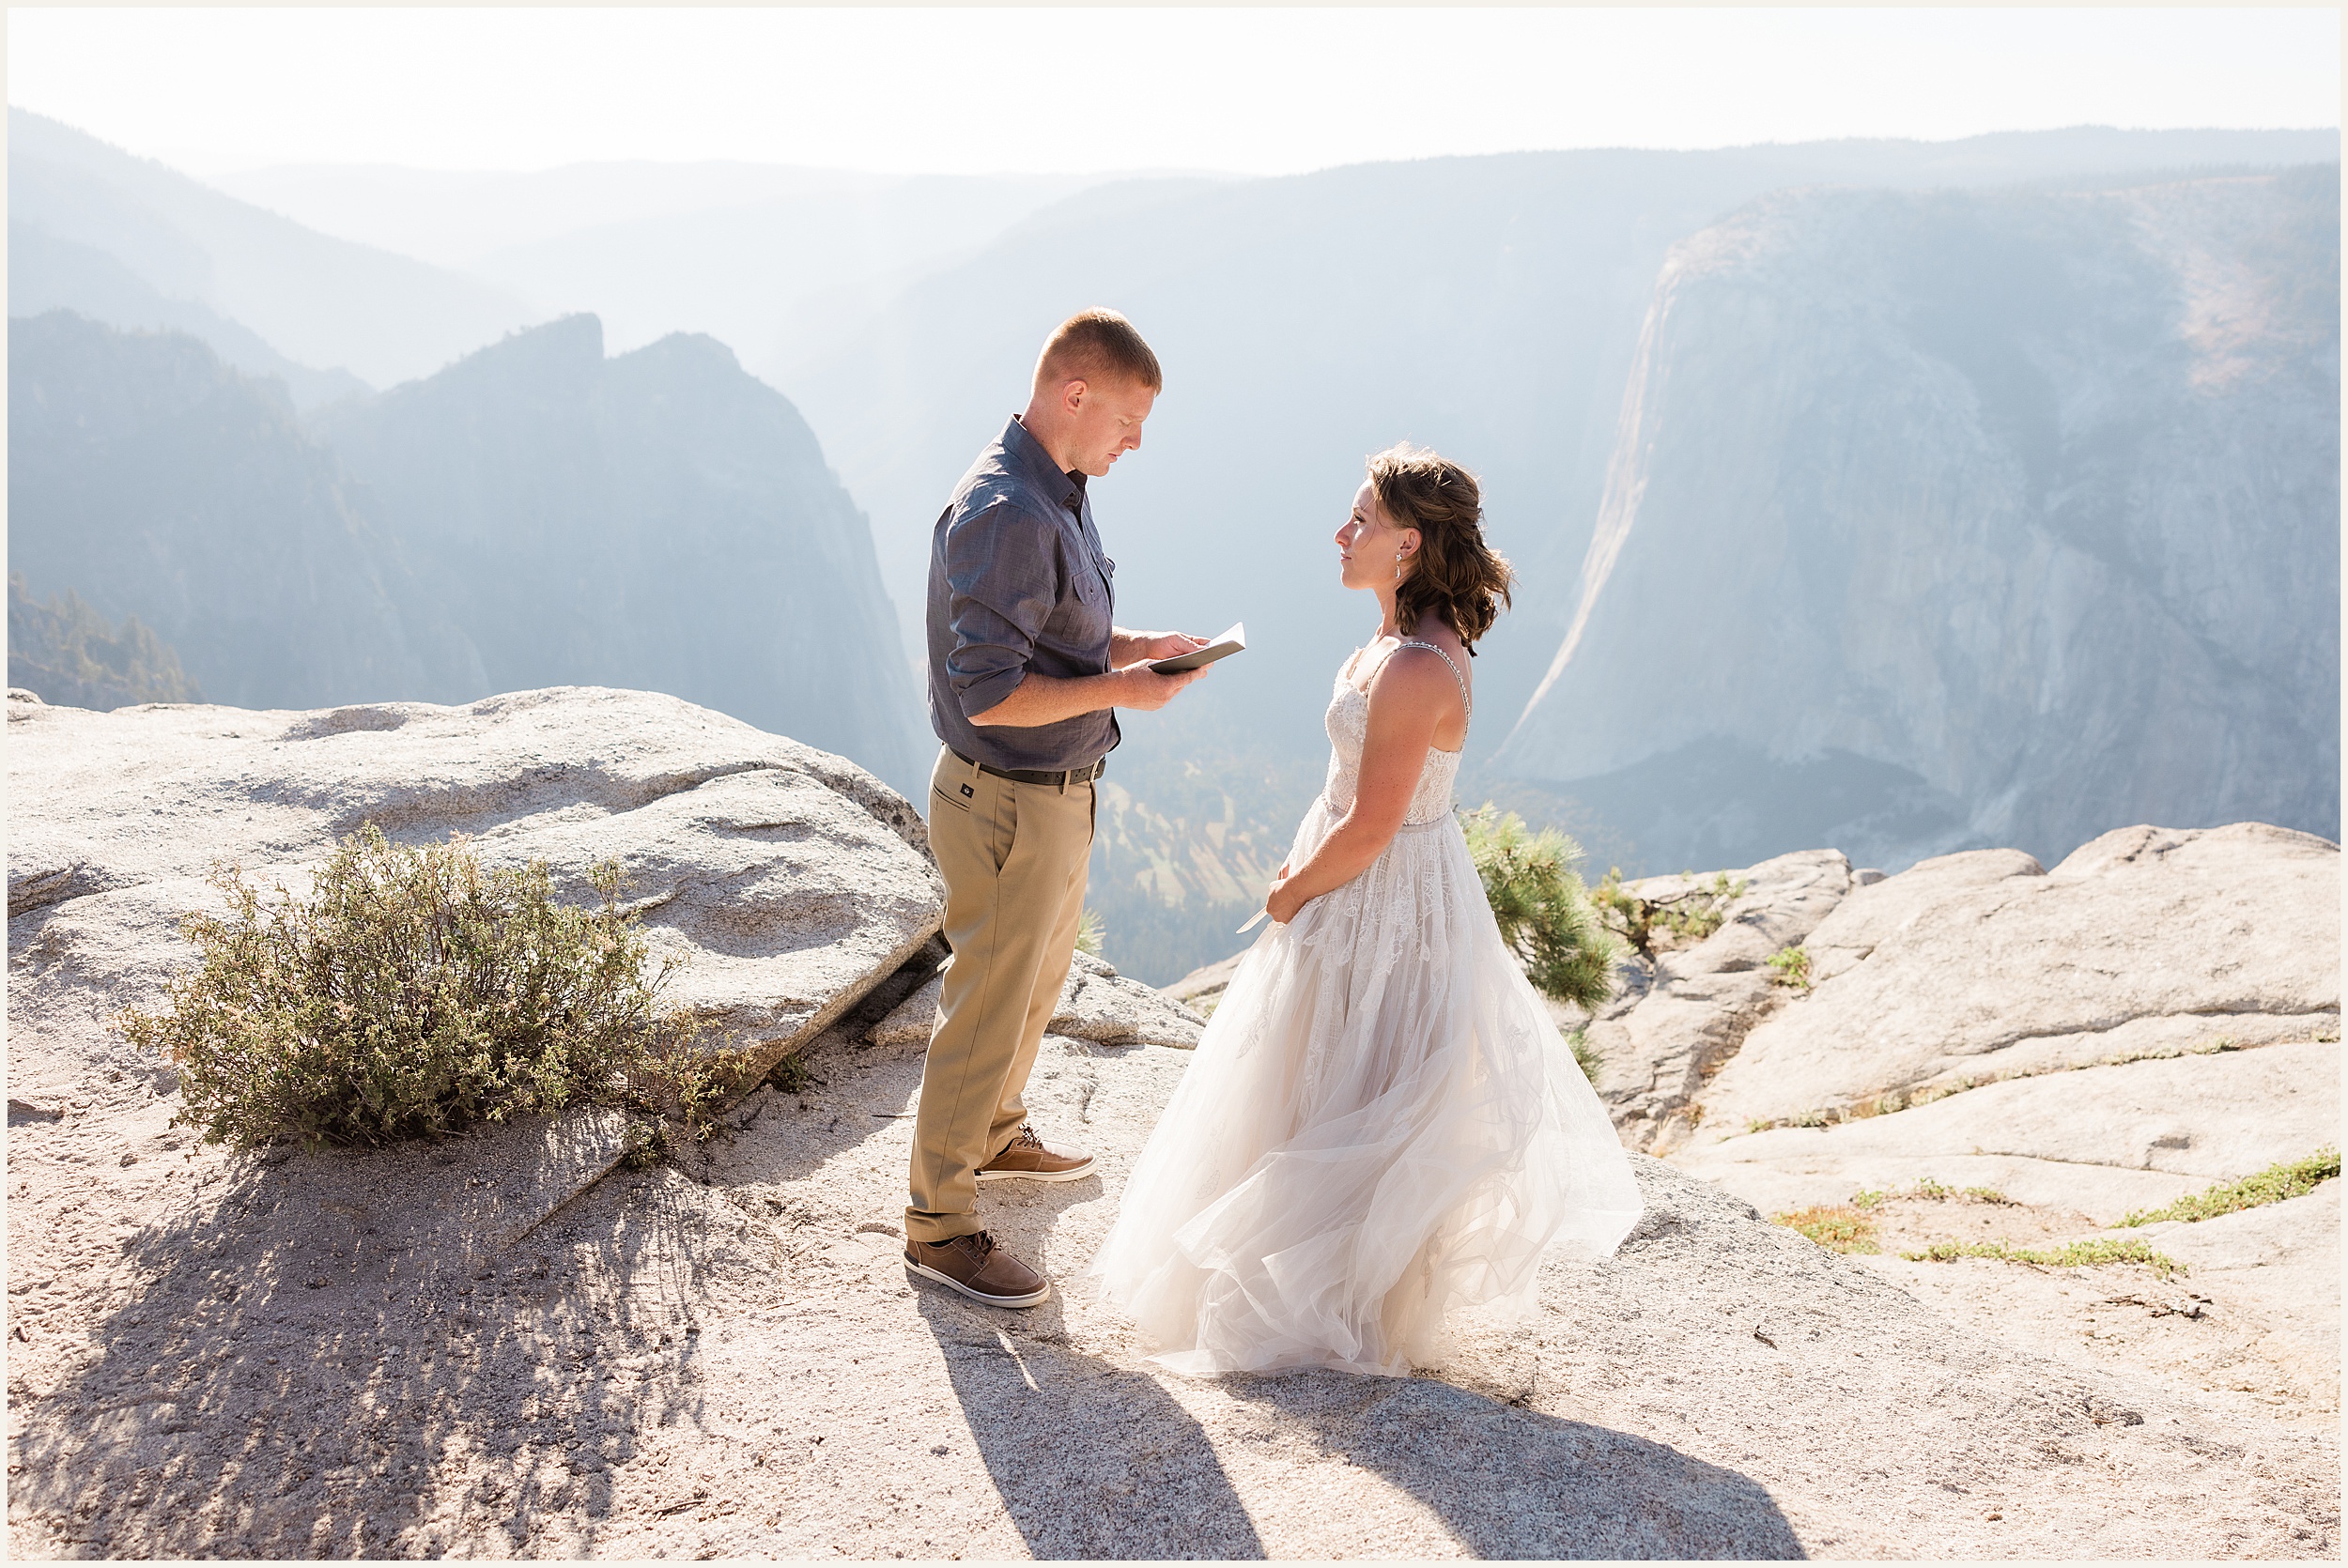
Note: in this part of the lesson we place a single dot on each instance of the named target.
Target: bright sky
(970, 90)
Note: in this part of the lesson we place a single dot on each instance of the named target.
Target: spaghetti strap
(1465, 701)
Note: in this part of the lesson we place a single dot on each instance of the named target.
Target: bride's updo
(1455, 575)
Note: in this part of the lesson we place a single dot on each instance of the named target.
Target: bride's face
(1369, 543)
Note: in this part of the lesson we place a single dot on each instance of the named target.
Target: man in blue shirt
(1025, 670)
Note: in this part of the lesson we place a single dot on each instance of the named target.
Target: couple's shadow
(1097, 1460)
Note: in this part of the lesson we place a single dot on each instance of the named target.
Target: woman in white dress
(1382, 1124)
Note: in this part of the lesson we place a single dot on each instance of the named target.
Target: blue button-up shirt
(1018, 582)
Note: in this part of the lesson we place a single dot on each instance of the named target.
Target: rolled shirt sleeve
(1003, 584)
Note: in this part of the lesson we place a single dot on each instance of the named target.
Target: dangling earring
(1398, 565)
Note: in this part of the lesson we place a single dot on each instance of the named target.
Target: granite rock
(2145, 942)
(787, 880)
(1675, 1023)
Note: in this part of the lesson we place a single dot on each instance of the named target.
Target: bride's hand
(1283, 901)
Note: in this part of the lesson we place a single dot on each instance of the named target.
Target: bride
(1382, 1125)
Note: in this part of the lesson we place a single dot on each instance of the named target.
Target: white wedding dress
(1382, 1124)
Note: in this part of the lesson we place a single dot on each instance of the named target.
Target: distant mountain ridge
(765, 258)
(320, 302)
(46, 274)
(533, 515)
(660, 519)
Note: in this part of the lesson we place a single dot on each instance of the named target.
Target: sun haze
(1242, 90)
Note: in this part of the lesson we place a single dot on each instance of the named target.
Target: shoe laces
(1026, 1137)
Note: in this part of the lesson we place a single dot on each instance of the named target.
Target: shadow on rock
(1511, 1482)
(355, 1354)
(1092, 1459)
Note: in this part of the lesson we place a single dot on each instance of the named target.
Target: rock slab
(2145, 942)
(786, 880)
(1676, 1022)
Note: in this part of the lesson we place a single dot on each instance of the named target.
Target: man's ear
(1072, 394)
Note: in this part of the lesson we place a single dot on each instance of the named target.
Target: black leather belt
(1030, 776)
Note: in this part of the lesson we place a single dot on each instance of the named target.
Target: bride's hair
(1456, 576)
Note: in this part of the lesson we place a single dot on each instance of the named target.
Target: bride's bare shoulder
(1417, 678)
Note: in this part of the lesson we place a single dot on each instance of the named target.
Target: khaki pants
(1015, 858)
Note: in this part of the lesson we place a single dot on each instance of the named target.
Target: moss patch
(1837, 1227)
(2291, 1179)
(2071, 1254)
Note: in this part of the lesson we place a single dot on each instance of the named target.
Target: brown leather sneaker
(1027, 1160)
(979, 1269)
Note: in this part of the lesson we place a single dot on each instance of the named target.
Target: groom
(1025, 672)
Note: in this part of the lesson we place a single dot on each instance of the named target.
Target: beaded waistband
(1330, 807)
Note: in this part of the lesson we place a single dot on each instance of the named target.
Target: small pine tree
(1543, 911)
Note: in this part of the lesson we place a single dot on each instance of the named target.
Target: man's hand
(1144, 689)
(1127, 647)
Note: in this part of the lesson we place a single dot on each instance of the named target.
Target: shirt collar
(1067, 487)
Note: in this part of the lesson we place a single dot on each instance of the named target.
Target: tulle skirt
(1382, 1126)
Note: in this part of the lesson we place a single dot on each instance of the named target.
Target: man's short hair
(1094, 345)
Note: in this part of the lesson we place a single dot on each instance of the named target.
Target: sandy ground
(369, 1355)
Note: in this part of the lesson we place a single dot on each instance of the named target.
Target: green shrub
(1938, 1191)
(790, 1075)
(1584, 1058)
(1090, 932)
(1544, 913)
(1793, 968)
(1691, 915)
(414, 993)
(2293, 1180)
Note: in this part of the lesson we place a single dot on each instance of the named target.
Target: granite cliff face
(1955, 519)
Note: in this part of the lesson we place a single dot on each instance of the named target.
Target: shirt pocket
(1096, 583)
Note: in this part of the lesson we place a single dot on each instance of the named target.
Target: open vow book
(1232, 641)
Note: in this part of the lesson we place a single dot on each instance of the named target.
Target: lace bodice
(1347, 722)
